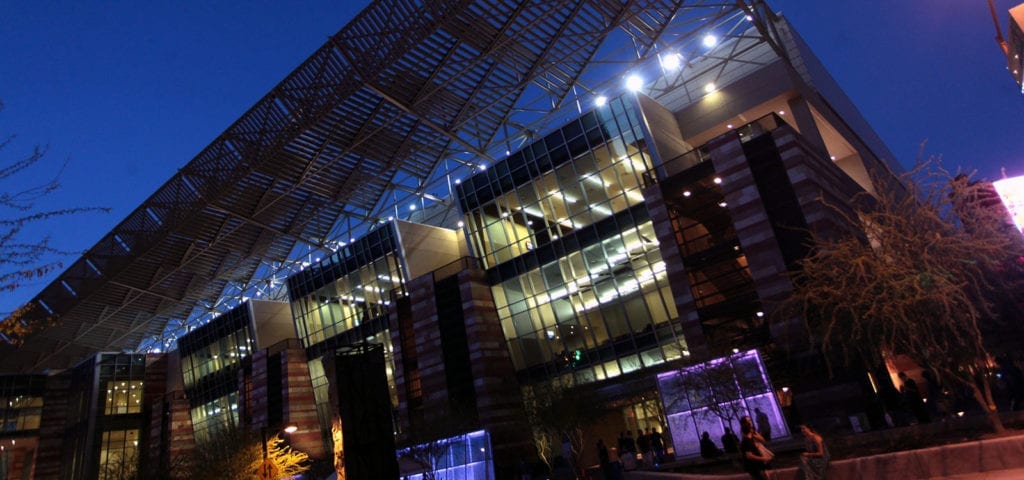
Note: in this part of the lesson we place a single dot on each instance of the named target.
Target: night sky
(128, 92)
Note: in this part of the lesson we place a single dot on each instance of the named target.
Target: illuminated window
(119, 454)
(123, 396)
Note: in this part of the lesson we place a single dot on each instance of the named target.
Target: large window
(123, 396)
(21, 402)
(121, 382)
(466, 456)
(216, 346)
(119, 454)
(712, 396)
(595, 313)
(212, 417)
(575, 177)
(578, 277)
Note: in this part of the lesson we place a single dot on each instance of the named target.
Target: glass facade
(463, 457)
(345, 300)
(21, 402)
(123, 397)
(697, 397)
(109, 386)
(577, 275)
(211, 357)
(119, 454)
(349, 292)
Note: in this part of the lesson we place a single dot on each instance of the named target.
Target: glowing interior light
(718, 180)
(710, 87)
(735, 350)
(687, 193)
(833, 157)
(458, 181)
(391, 217)
(723, 204)
(412, 207)
(671, 61)
(634, 82)
(749, 18)
(729, 126)
(483, 166)
(710, 40)
(601, 100)
(760, 314)
(782, 112)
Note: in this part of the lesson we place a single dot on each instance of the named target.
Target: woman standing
(754, 463)
(814, 461)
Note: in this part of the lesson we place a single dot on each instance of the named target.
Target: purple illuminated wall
(465, 457)
(687, 405)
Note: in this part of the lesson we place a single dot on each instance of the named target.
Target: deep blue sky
(128, 92)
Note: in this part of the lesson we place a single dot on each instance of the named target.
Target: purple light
(687, 422)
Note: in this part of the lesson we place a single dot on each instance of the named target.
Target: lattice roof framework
(406, 99)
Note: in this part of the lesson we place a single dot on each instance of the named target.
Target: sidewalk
(998, 458)
(1010, 474)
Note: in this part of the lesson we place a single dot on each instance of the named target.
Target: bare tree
(718, 386)
(912, 280)
(429, 439)
(23, 258)
(560, 413)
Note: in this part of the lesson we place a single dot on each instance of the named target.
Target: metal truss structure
(379, 123)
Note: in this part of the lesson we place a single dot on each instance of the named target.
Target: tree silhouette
(917, 277)
(24, 258)
(556, 412)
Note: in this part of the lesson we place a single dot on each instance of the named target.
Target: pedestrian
(708, 449)
(730, 442)
(746, 424)
(628, 454)
(754, 462)
(603, 459)
(814, 460)
(1013, 378)
(615, 465)
(912, 397)
(938, 405)
(643, 448)
(658, 446)
(764, 427)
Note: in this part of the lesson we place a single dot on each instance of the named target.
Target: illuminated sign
(1011, 191)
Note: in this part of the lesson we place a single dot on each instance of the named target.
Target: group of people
(645, 451)
(755, 456)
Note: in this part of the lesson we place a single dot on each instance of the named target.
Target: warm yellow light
(710, 87)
